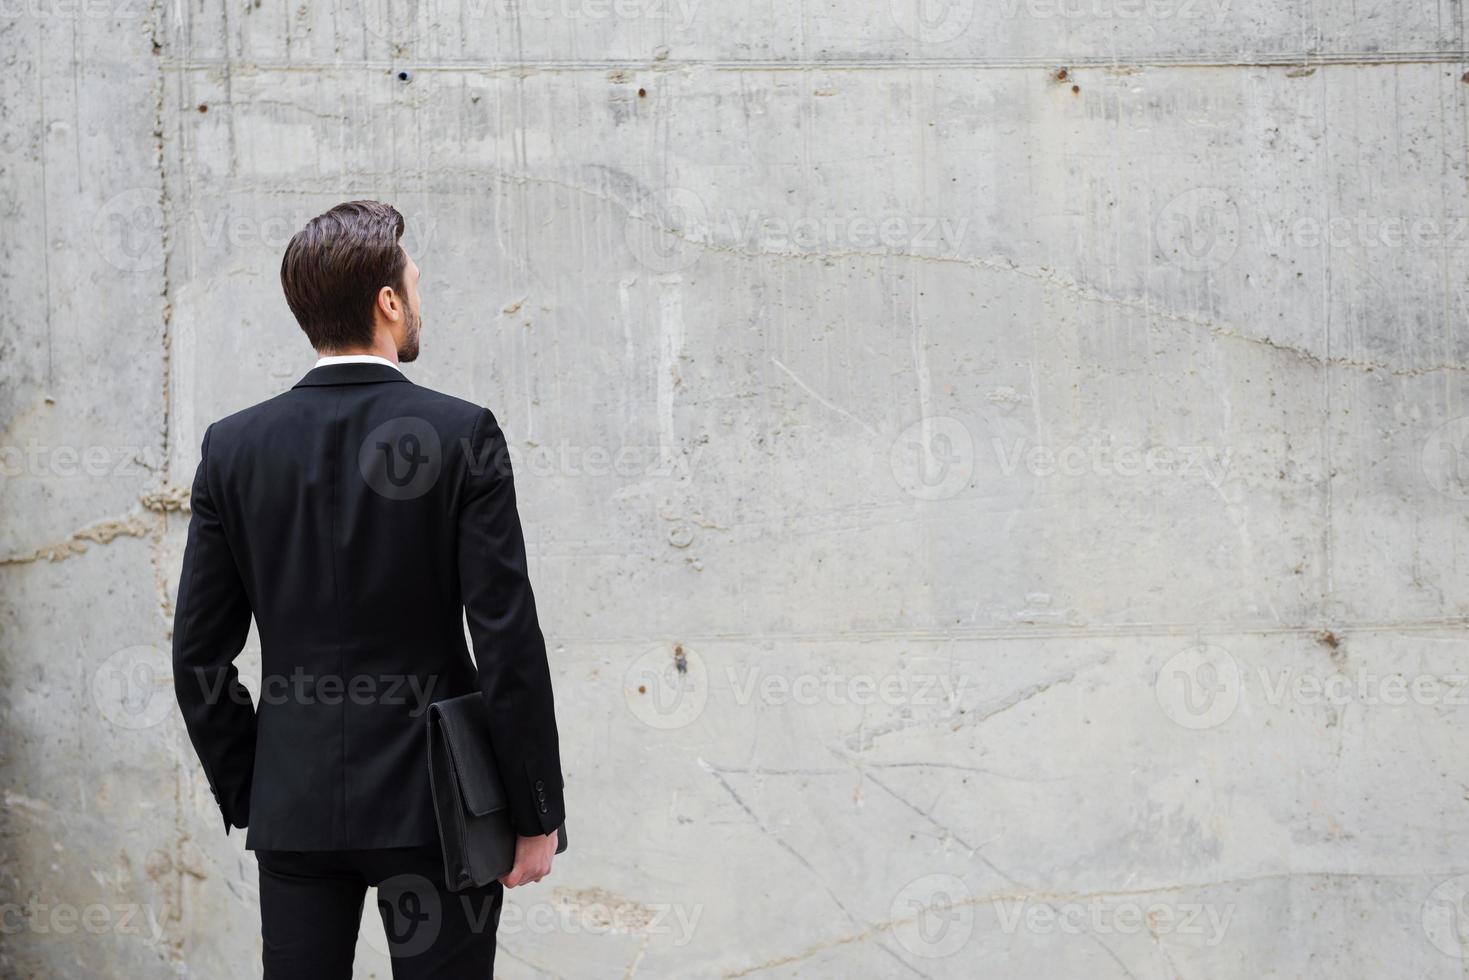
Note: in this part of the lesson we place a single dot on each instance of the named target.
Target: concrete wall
(988, 520)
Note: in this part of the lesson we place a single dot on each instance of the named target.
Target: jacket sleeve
(508, 647)
(211, 622)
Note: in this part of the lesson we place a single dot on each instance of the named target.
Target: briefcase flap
(465, 732)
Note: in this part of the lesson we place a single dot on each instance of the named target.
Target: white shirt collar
(355, 359)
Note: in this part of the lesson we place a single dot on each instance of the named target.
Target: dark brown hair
(334, 267)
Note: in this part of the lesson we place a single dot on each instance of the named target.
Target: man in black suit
(361, 519)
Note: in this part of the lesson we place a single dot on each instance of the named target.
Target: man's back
(358, 516)
(361, 520)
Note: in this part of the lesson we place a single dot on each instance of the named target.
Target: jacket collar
(350, 374)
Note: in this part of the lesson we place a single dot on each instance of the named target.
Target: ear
(389, 303)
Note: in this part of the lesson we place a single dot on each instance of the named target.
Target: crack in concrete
(863, 739)
(167, 499)
(816, 395)
(101, 532)
(1041, 687)
(799, 858)
(949, 834)
(994, 263)
(632, 967)
(165, 205)
(1067, 897)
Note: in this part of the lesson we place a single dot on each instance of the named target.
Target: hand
(532, 860)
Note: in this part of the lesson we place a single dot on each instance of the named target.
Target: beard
(408, 350)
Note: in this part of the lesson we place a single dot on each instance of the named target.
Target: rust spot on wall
(1333, 646)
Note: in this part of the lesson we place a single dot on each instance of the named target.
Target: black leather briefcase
(469, 798)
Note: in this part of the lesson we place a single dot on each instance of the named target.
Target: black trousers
(311, 903)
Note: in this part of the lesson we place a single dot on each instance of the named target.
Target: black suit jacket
(361, 519)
